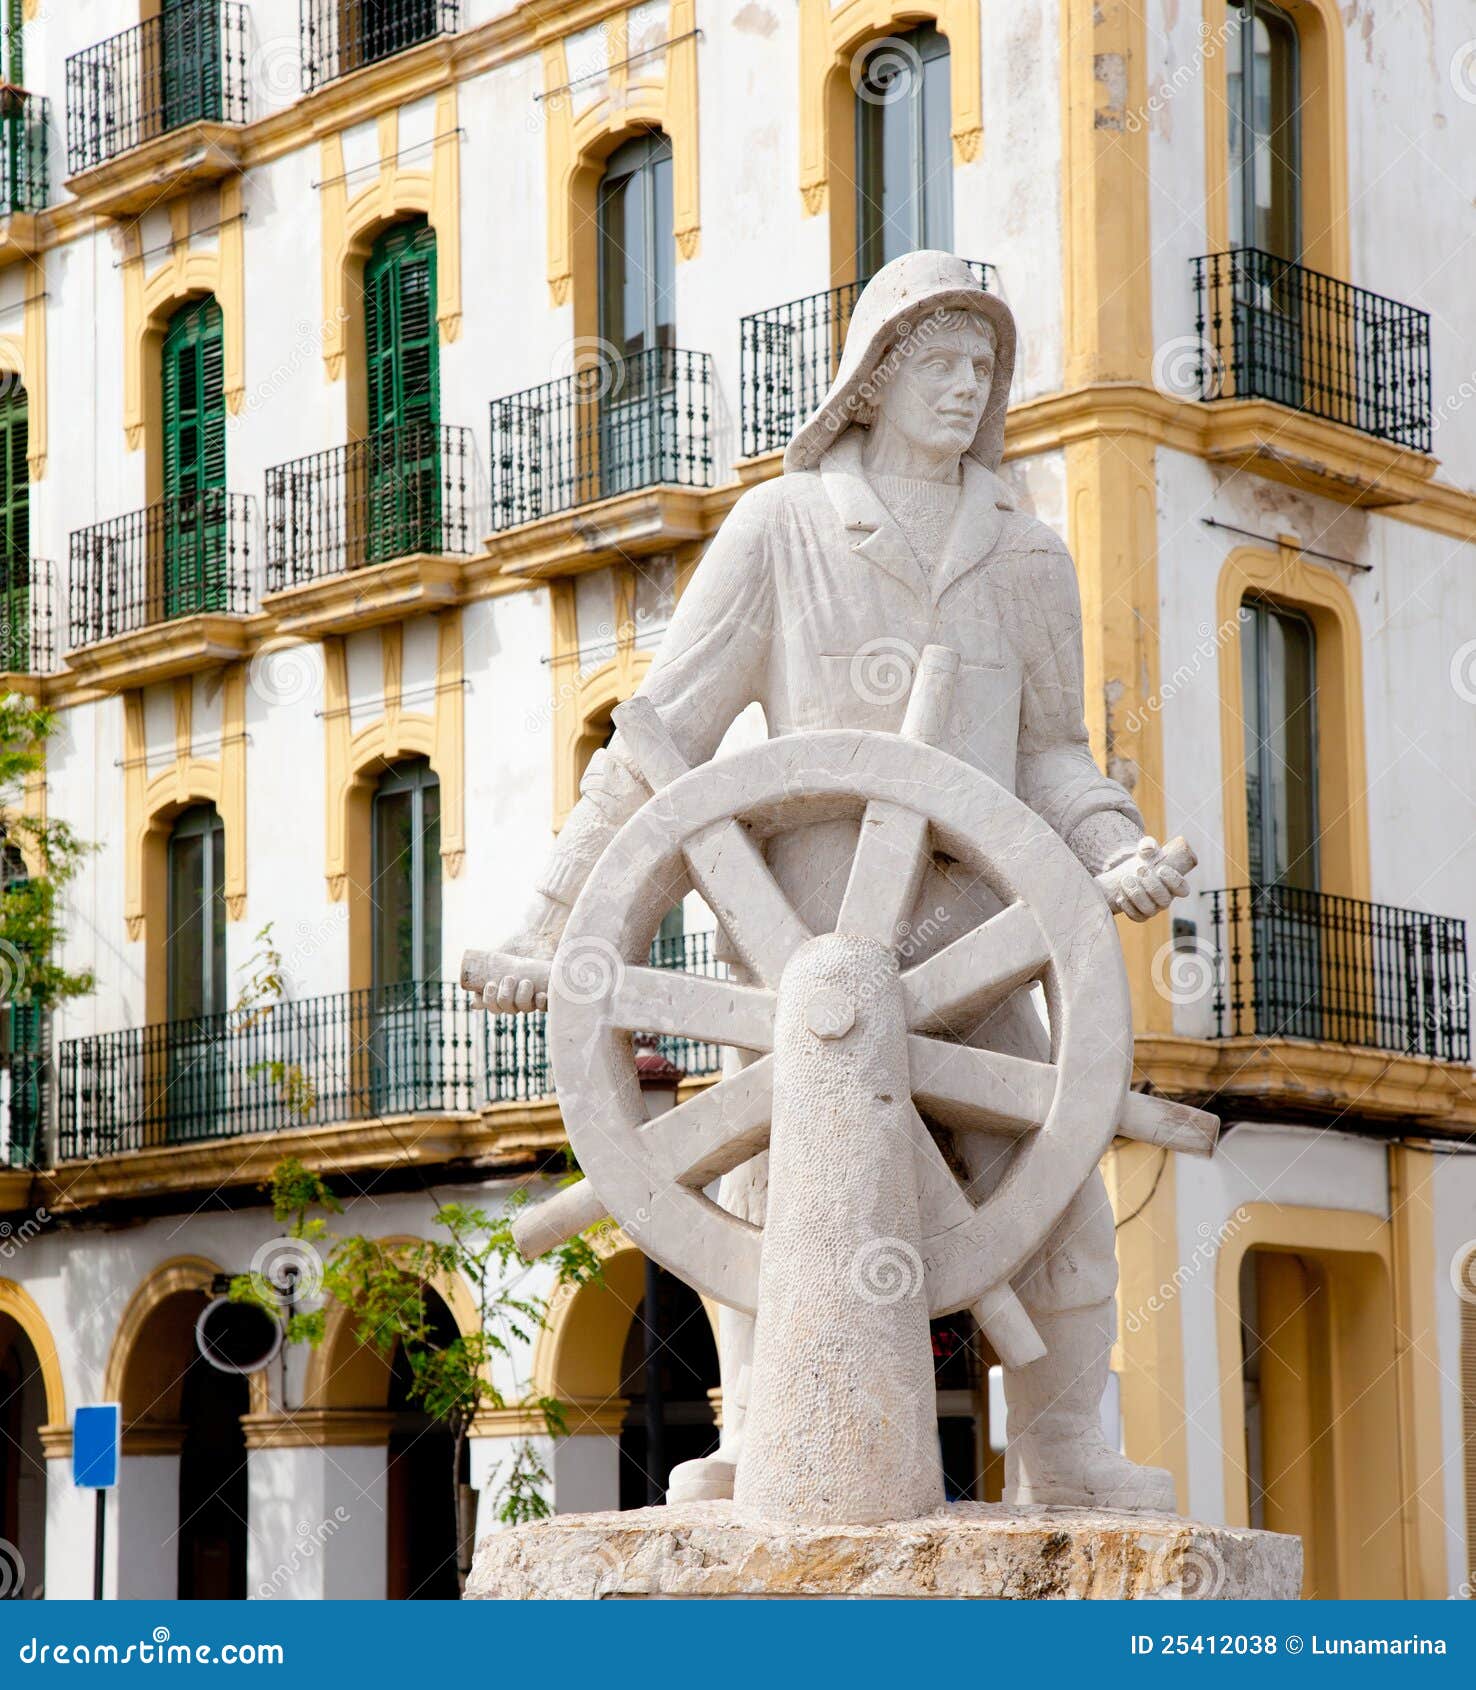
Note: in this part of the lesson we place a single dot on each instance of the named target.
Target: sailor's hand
(1148, 880)
(513, 979)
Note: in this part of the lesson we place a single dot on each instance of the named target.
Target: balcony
(27, 641)
(632, 435)
(1294, 964)
(24, 170)
(162, 591)
(339, 36)
(158, 100)
(369, 531)
(1275, 331)
(788, 355)
(424, 1049)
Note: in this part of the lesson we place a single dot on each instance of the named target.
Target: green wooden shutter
(194, 512)
(402, 351)
(189, 62)
(15, 533)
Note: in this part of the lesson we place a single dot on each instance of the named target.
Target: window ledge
(363, 598)
(652, 519)
(157, 169)
(1310, 1077)
(161, 651)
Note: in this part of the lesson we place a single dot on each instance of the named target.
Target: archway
(668, 1377)
(22, 1464)
(184, 1448)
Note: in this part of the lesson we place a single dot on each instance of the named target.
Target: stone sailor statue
(890, 529)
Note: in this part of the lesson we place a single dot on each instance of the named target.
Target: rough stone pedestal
(970, 1550)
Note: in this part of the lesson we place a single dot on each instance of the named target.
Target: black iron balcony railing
(24, 1083)
(343, 35)
(517, 1045)
(186, 64)
(424, 1047)
(1306, 965)
(1272, 330)
(399, 492)
(27, 640)
(25, 120)
(615, 426)
(788, 356)
(183, 556)
(410, 1049)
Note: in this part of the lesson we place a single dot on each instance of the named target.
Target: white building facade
(375, 377)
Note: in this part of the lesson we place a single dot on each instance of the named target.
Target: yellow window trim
(1286, 577)
(353, 216)
(830, 38)
(150, 299)
(151, 801)
(23, 356)
(354, 759)
(659, 93)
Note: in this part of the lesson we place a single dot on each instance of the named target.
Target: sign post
(97, 1433)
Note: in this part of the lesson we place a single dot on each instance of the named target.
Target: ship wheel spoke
(718, 1130)
(692, 1006)
(979, 1090)
(954, 990)
(886, 872)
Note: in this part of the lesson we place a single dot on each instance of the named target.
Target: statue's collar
(976, 521)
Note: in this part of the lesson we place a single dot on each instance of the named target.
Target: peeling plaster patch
(754, 19)
(1124, 770)
(1110, 72)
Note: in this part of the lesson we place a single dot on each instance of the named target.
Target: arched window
(195, 959)
(15, 528)
(400, 490)
(637, 248)
(407, 875)
(1263, 89)
(194, 438)
(407, 1037)
(904, 149)
(1278, 654)
(21, 1052)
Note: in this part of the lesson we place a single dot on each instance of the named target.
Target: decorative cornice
(319, 1428)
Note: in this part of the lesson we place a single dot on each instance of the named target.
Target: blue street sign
(96, 1434)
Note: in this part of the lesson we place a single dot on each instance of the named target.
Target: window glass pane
(1291, 748)
(394, 908)
(886, 158)
(1263, 96)
(622, 258)
(1278, 668)
(428, 963)
(186, 955)
(217, 982)
(663, 254)
(937, 151)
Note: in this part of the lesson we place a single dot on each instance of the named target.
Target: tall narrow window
(193, 519)
(197, 915)
(404, 395)
(904, 149)
(1278, 665)
(637, 313)
(1288, 937)
(20, 1043)
(15, 532)
(1263, 96)
(406, 1032)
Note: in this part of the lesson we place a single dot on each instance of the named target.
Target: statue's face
(936, 394)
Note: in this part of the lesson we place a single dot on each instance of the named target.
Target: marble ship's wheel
(705, 827)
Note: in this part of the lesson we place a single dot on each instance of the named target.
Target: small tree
(30, 919)
(384, 1288)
